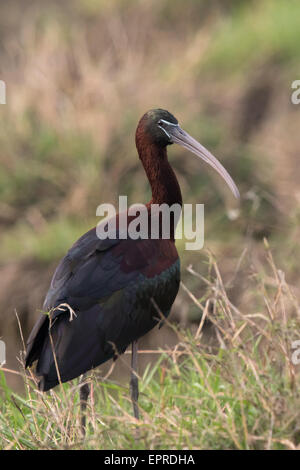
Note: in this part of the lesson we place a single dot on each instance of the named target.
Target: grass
(46, 243)
(253, 32)
(67, 134)
(79, 75)
(239, 393)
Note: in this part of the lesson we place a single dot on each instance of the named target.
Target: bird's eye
(161, 123)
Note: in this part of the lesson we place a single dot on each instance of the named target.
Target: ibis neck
(164, 185)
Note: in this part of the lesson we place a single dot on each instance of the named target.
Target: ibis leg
(84, 392)
(134, 382)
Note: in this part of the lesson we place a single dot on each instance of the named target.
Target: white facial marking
(169, 124)
(165, 132)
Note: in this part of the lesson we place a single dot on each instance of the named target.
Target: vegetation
(239, 394)
(79, 74)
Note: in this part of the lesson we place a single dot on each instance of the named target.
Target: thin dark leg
(134, 382)
(84, 392)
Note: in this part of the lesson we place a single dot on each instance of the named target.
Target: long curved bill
(179, 136)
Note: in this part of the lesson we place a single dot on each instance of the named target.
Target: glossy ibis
(105, 294)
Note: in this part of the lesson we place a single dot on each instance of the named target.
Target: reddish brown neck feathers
(162, 179)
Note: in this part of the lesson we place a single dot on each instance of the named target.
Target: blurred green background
(79, 75)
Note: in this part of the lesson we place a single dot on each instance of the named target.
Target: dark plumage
(105, 294)
(109, 288)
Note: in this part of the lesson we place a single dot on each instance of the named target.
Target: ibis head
(163, 129)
